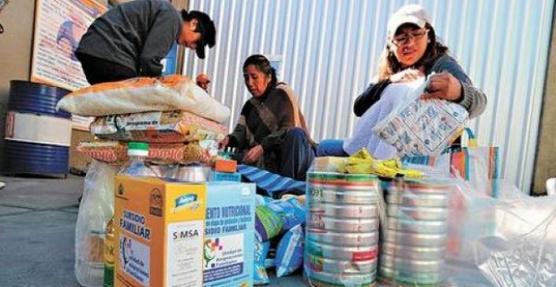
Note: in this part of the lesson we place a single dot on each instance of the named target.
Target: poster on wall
(59, 25)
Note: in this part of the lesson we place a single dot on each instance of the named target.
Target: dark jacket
(473, 99)
(265, 120)
(136, 34)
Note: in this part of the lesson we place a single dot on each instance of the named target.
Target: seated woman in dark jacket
(412, 51)
(271, 131)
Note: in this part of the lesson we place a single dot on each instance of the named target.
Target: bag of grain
(142, 94)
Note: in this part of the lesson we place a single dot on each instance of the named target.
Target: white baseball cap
(412, 13)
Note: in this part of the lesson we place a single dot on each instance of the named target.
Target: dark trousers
(295, 155)
(98, 70)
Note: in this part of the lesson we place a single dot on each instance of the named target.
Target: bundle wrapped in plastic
(157, 127)
(276, 217)
(422, 127)
(96, 208)
(114, 152)
(167, 93)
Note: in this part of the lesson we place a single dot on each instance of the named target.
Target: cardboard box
(225, 176)
(181, 234)
(230, 235)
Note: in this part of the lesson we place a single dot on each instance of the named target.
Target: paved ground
(37, 225)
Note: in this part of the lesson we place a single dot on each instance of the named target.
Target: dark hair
(435, 49)
(263, 65)
(205, 27)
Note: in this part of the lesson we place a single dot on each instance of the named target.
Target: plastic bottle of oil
(109, 247)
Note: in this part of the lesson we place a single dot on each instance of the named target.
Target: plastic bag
(289, 256)
(414, 232)
(511, 240)
(96, 208)
(422, 127)
(260, 277)
(276, 217)
(136, 95)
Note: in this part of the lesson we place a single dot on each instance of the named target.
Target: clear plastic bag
(414, 232)
(511, 240)
(96, 208)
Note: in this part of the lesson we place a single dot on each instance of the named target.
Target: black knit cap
(205, 27)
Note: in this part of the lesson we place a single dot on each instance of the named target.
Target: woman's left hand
(253, 154)
(443, 86)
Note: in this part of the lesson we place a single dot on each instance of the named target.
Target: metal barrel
(37, 156)
(36, 98)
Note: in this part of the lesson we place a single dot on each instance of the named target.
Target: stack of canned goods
(341, 244)
(414, 236)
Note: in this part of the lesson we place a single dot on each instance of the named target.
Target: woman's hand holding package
(443, 86)
(407, 75)
(253, 154)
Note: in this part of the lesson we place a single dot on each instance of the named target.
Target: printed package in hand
(422, 127)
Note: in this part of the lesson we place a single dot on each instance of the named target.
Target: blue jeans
(331, 147)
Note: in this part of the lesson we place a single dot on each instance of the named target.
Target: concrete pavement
(37, 229)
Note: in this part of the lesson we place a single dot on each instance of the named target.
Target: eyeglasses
(404, 38)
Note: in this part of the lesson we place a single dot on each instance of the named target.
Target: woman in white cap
(412, 51)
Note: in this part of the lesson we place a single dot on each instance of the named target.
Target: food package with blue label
(229, 235)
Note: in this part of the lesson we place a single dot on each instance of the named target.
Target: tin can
(420, 187)
(417, 226)
(321, 279)
(342, 197)
(412, 253)
(354, 253)
(409, 198)
(340, 179)
(415, 266)
(344, 211)
(414, 239)
(317, 223)
(344, 239)
(320, 264)
(412, 278)
(417, 213)
(344, 188)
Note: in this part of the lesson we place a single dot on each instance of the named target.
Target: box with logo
(182, 234)
(229, 235)
(224, 176)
